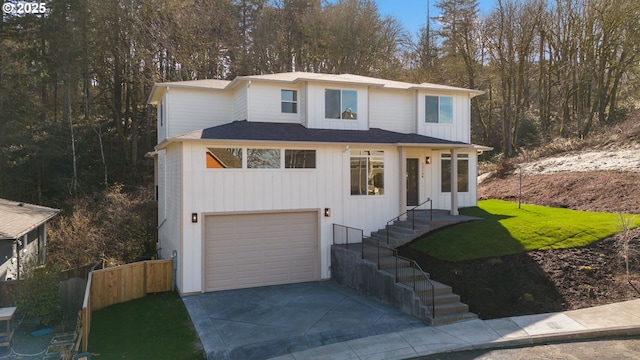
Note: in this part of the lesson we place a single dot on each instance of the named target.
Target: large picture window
(367, 172)
(289, 101)
(463, 173)
(340, 104)
(438, 109)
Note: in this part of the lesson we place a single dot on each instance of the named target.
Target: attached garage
(260, 249)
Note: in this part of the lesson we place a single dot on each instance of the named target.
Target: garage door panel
(247, 250)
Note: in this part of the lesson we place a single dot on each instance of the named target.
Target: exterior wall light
(194, 217)
(327, 212)
(427, 160)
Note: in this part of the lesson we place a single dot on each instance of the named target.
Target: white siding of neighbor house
(211, 191)
(188, 110)
(315, 108)
(459, 130)
(393, 110)
(239, 101)
(265, 100)
(169, 227)
(28, 254)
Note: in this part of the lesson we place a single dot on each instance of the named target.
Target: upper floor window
(340, 104)
(367, 172)
(438, 109)
(289, 104)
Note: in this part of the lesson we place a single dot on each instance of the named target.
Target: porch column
(454, 182)
(402, 154)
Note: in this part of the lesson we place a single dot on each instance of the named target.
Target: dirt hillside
(605, 178)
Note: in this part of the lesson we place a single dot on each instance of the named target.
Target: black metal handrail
(354, 232)
(419, 281)
(413, 216)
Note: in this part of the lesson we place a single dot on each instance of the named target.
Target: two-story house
(252, 173)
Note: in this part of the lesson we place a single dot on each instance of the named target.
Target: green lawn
(154, 327)
(508, 230)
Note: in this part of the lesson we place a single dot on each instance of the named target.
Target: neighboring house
(252, 173)
(23, 234)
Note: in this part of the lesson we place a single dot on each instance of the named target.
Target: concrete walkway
(619, 319)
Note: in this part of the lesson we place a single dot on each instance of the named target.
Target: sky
(413, 13)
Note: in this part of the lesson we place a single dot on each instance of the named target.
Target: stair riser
(448, 310)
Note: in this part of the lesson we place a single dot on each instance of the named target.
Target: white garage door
(249, 250)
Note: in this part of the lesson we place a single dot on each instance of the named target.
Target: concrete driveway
(260, 323)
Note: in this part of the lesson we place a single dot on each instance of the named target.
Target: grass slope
(154, 327)
(508, 230)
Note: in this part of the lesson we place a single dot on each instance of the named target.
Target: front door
(412, 182)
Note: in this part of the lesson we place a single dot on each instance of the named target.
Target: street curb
(595, 334)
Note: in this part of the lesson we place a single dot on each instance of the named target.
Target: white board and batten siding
(265, 101)
(194, 109)
(170, 227)
(260, 249)
(392, 110)
(239, 101)
(316, 110)
(458, 130)
(256, 191)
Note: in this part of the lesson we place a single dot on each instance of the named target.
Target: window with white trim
(463, 173)
(340, 104)
(367, 172)
(438, 109)
(289, 101)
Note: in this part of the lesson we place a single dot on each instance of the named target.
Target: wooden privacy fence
(118, 284)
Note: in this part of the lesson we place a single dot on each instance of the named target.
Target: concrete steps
(447, 306)
(404, 231)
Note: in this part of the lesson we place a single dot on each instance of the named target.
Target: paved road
(591, 350)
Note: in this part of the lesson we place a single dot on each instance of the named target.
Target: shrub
(38, 293)
(114, 226)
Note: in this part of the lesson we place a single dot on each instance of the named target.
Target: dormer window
(289, 104)
(438, 109)
(340, 104)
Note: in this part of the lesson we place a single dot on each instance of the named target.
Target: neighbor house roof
(17, 219)
(294, 77)
(289, 132)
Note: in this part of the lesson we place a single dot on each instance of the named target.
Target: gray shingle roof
(17, 219)
(265, 131)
